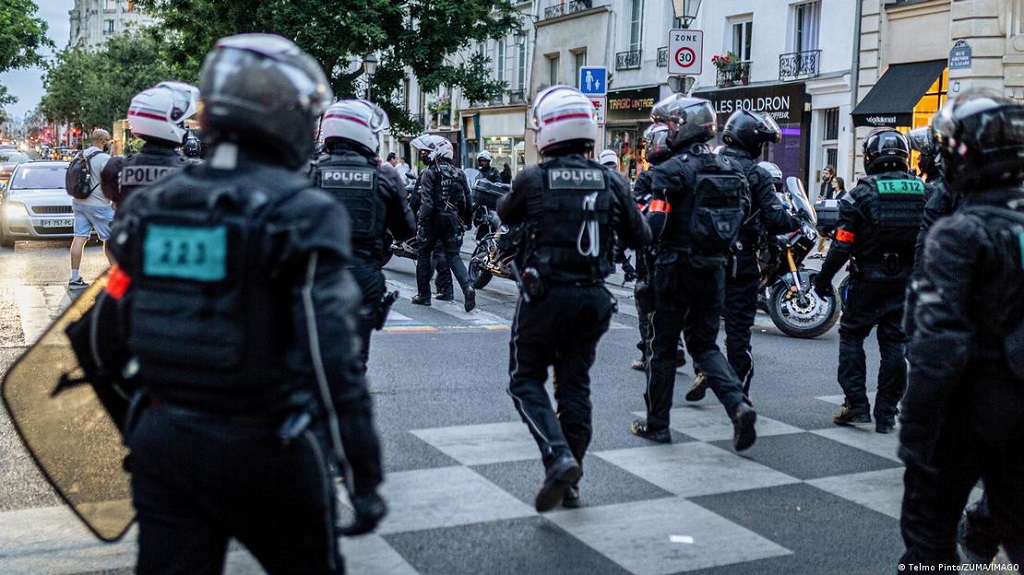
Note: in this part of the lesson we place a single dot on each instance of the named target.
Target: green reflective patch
(186, 252)
(913, 187)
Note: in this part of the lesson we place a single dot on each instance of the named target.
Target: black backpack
(721, 202)
(78, 179)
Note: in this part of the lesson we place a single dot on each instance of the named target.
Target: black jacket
(967, 300)
(766, 211)
(123, 175)
(429, 186)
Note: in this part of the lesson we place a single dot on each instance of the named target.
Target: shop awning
(891, 101)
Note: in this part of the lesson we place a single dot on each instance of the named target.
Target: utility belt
(891, 268)
(289, 424)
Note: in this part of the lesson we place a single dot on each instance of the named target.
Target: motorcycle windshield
(69, 434)
(801, 205)
(472, 175)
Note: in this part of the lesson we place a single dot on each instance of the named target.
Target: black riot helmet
(656, 148)
(750, 131)
(924, 142)
(689, 120)
(885, 149)
(191, 147)
(262, 91)
(981, 140)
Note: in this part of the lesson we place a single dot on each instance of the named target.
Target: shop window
(927, 106)
(806, 25)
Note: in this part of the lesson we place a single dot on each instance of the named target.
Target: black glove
(823, 286)
(370, 509)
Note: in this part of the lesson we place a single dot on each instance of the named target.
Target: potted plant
(724, 62)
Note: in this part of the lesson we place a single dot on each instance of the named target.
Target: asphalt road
(809, 498)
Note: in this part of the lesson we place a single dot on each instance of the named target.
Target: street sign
(600, 108)
(685, 52)
(960, 56)
(594, 80)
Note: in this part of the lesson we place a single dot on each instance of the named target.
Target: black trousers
(934, 495)
(560, 331)
(688, 300)
(445, 230)
(442, 273)
(739, 313)
(198, 481)
(873, 304)
(371, 283)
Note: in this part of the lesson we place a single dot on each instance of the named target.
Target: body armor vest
(145, 169)
(357, 186)
(894, 203)
(573, 239)
(198, 275)
(710, 199)
(448, 195)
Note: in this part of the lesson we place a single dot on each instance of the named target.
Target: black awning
(892, 99)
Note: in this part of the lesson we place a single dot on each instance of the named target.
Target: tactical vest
(204, 319)
(145, 169)
(448, 195)
(895, 205)
(357, 186)
(573, 239)
(709, 205)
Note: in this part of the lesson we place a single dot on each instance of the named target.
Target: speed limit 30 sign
(685, 52)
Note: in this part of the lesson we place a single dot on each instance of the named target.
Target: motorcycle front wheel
(802, 315)
(478, 276)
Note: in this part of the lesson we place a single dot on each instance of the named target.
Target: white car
(34, 204)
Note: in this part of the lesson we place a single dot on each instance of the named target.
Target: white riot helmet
(484, 155)
(563, 116)
(773, 170)
(443, 149)
(608, 158)
(159, 113)
(354, 121)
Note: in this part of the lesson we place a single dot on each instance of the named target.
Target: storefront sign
(632, 104)
(784, 103)
(960, 56)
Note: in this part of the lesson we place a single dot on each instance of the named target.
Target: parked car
(34, 204)
(8, 159)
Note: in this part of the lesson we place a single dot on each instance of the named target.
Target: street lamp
(686, 10)
(369, 68)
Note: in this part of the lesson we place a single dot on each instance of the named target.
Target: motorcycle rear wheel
(478, 276)
(804, 315)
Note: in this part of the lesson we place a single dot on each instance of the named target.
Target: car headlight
(15, 210)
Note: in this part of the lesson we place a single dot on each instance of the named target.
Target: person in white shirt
(94, 212)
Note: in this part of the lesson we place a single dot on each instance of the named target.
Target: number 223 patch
(186, 252)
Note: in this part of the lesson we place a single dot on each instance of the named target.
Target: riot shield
(66, 429)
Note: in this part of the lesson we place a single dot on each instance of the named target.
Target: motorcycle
(786, 289)
(497, 245)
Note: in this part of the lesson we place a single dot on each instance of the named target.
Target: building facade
(95, 21)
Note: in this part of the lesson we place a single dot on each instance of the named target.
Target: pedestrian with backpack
(699, 202)
(91, 209)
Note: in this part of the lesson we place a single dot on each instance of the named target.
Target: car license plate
(61, 223)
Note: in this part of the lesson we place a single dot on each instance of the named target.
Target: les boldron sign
(785, 104)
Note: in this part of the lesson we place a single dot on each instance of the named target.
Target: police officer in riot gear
(445, 208)
(375, 199)
(487, 171)
(444, 285)
(158, 116)
(962, 413)
(572, 208)
(939, 203)
(241, 310)
(745, 136)
(877, 228)
(192, 148)
(700, 200)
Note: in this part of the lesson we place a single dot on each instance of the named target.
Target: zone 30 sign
(685, 52)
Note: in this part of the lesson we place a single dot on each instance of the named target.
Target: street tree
(91, 89)
(428, 36)
(22, 36)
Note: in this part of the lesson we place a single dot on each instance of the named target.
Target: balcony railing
(663, 56)
(496, 100)
(628, 60)
(565, 8)
(735, 74)
(799, 64)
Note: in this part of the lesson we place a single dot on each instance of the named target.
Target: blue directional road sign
(594, 80)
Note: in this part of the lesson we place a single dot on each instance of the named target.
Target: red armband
(844, 236)
(117, 282)
(660, 206)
